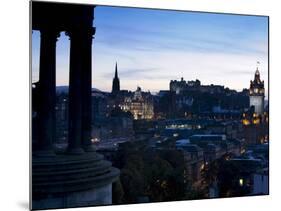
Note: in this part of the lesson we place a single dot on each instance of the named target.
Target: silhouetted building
(165, 104)
(121, 123)
(191, 97)
(193, 160)
(178, 86)
(116, 81)
(99, 107)
(181, 86)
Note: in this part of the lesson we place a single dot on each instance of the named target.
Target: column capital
(81, 32)
(50, 33)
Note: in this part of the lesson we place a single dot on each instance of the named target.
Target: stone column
(75, 91)
(87, 89)
(47, 92)
(80, 88)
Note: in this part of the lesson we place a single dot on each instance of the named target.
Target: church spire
(257, 70)
(116, 73)
(116, 82)
(257, 74)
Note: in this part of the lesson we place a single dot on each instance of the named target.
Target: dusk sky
(153, 47)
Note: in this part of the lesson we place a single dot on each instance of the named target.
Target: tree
(158, 175)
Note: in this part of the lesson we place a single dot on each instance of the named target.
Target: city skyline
(198, 138)
(166, 45)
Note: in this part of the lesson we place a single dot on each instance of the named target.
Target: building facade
(140, 104)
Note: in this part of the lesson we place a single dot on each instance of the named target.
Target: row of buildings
(204, 122)
(121, 113)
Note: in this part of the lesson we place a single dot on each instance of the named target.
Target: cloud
(148, 42)
(182, 32)
(130, 72)
(152, 48)
(234, 71)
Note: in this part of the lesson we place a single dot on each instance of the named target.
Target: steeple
(116, 73)
(257, 86)
(116, 82)
(257, 79)
(257, 71)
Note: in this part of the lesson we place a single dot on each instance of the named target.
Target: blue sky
(153, 47)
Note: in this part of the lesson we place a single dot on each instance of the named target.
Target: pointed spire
(257, 74)
(257, 70)
(116, 73)
(116, 82)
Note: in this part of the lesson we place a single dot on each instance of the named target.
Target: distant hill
(64, 89)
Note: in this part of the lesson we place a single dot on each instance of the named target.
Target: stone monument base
(65, 181)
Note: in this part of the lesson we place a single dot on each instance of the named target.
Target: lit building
(255, 119)
(255, 127)
(256, 93)
(140, 104)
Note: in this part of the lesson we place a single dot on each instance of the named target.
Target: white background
(14, 110)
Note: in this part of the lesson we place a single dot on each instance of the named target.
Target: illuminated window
(245, 122)
(256, 121)
(241, 182)
(175, 134)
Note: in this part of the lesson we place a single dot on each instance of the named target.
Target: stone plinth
(72, 180)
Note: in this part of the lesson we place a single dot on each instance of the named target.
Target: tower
(256, 93)
(116, 82)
